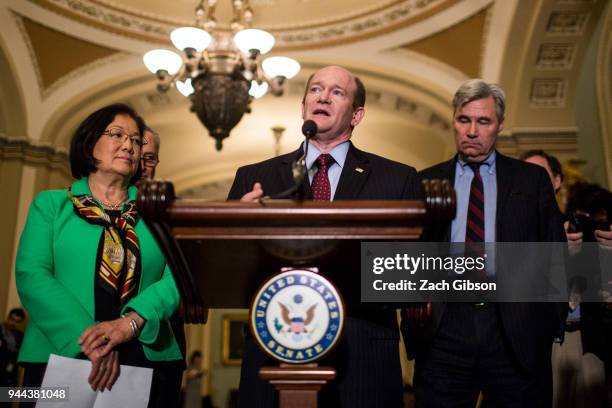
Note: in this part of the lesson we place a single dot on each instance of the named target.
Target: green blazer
(55, 270)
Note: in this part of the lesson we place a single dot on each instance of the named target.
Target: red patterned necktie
(321, 189)
(475, 227)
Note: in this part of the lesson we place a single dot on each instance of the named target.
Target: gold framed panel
(233, 338)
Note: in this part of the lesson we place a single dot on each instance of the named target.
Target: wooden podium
(221, 252)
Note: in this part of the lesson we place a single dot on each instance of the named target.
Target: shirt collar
(339, 153)
(489, 162)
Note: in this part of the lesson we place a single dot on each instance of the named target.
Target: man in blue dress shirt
(499, 349)
(367, 358)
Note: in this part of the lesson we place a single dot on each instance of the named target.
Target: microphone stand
(299, 172)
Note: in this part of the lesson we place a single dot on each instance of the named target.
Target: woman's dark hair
(85, 137)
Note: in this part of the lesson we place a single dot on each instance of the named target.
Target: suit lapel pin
(359, 169)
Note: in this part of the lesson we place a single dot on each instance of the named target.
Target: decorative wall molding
(113, 18)
(548, 93)
(566, 22)
(375, 23)
(555, 56)
(577, 1)
(340, 29)
(21, 149)
(557, 141)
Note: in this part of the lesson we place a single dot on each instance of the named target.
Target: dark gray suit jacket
(367, 357)
(526, 212)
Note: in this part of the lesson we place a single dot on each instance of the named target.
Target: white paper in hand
(131, 389)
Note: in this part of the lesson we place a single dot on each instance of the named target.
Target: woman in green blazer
(89, 272)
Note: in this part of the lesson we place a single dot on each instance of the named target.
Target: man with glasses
(150, 153)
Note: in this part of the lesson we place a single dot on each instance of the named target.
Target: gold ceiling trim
(391, 17)
(401, 16)
(87, 15)
(141, 15)
(321, 23)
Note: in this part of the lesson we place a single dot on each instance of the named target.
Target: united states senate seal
(297, 316)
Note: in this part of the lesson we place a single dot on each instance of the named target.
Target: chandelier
(221, 69)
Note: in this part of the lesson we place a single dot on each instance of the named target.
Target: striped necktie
(475, 227)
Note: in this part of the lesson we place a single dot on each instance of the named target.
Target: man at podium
(367, 358)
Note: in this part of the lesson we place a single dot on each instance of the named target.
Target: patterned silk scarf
(119, 265)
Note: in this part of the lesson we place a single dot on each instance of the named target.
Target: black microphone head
(309, 128)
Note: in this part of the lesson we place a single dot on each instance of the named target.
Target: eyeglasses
(119, 136)
(150, 159)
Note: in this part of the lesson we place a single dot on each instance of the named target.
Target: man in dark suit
(500, 349)
(367, 358)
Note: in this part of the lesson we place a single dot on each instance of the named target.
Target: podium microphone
(298, 169)
(309, 128)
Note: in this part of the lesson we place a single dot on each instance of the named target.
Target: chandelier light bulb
(190, 37)
(280, 66)
(254, 39)
(257, 90)
(162, 60)
(185, 88)
(215, 67)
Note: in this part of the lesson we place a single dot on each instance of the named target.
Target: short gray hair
(155, 137)
(474, 89)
